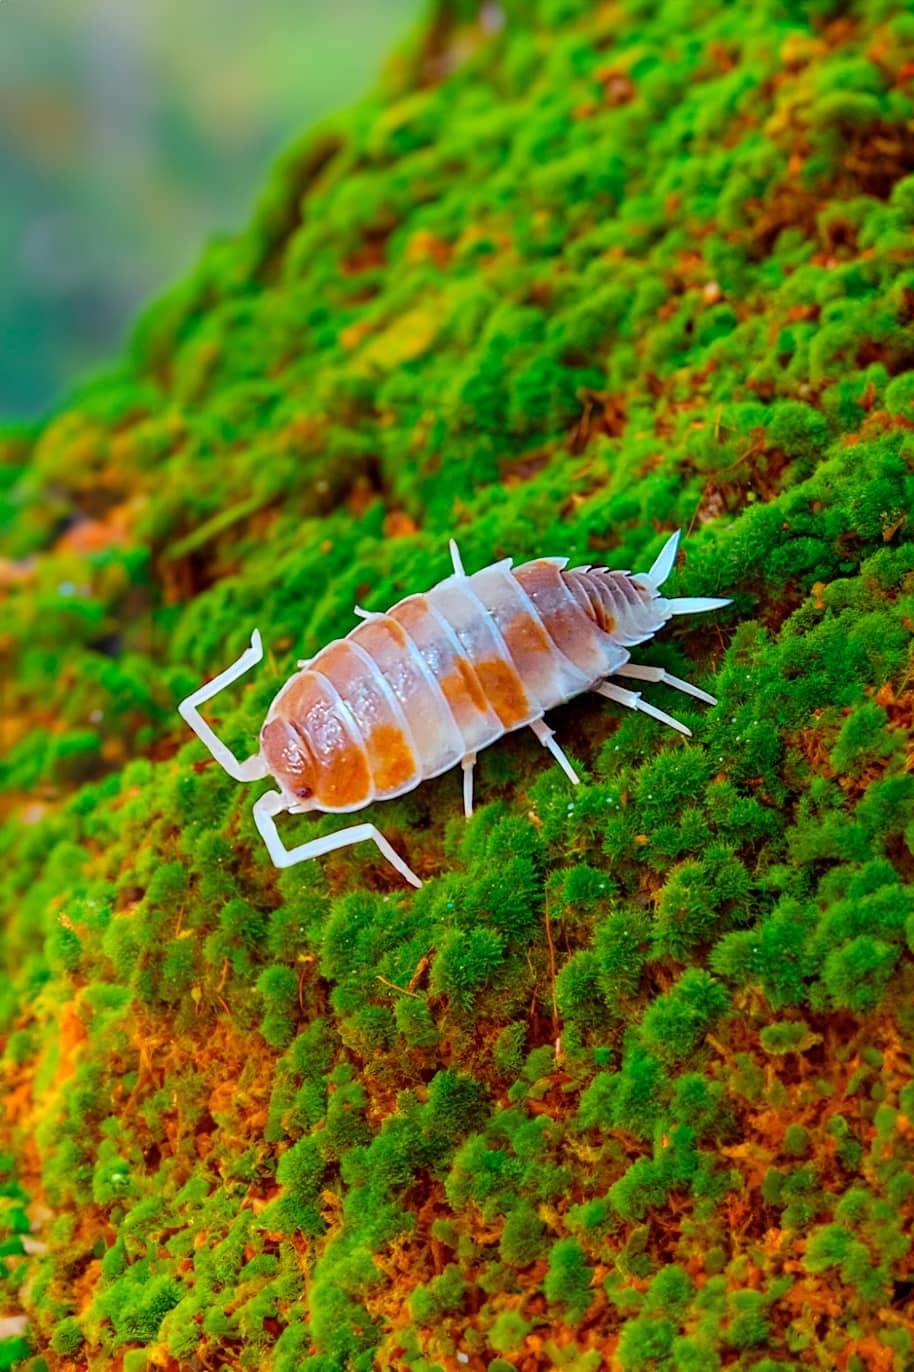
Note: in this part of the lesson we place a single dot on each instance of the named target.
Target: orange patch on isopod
(504, 691)
(392, 760)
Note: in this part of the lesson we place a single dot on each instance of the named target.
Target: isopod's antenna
(273, 803)
(253, 768)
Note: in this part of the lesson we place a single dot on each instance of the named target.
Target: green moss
(137, 1308)
(856, 974)
(522, 1239)
(441, 1296)
(786, 1036)
(300, 1172)
(567, 1281)
(415, 1022)
(67, 1338)
(796, 1140)
(279, 988)
(676, 1022)
(863, 741)
(466, 962)
(507, 1051)
(555, 288)
(646, 1343)
(899, 394)
(619, 955)
(509, 1331)
(747, 1326)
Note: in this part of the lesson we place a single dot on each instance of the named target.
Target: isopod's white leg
(274, 803)
(632, 699)
(657, 674)
(546, 737)
(468, 763)
(455, 558)
(254, 767)
(365, 614)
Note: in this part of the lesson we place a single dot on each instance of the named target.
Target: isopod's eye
(287, 754)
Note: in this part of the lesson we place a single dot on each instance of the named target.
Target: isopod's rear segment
(630, 607)
(583, 648)
(618, 604)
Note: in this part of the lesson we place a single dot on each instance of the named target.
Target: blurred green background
(132, 130)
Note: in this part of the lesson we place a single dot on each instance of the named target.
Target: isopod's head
(288, 755)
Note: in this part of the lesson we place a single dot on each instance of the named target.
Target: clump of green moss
(632, 1070)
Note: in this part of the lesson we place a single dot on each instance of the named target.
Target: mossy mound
(628, 1083)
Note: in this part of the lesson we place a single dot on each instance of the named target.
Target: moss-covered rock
(628, 1082)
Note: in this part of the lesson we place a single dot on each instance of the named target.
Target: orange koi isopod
(408, 694)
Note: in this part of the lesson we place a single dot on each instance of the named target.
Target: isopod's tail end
(691, 605)
(665, 562)
(681, 605)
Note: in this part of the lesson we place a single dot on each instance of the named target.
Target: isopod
(408, 694)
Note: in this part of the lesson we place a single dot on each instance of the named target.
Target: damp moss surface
(628, 1082)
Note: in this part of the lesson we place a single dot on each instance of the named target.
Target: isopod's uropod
(408, 694)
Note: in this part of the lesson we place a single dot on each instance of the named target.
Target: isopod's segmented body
(409, 694)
